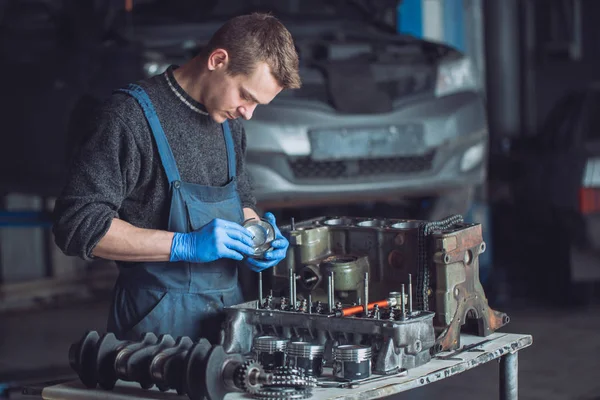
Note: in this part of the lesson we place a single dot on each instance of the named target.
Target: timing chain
(423, 272)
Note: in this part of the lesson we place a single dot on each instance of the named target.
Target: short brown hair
(254, 38)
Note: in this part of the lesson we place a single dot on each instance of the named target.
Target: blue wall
(410, 20)
(410, 17)
(454, 25)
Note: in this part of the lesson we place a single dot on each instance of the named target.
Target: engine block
(443, 256)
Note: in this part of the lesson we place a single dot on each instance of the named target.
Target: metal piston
(307, 356)
(263, 234)
(352, 362)
(270, 351)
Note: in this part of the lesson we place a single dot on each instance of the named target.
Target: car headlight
(455, 76)
(472, 157)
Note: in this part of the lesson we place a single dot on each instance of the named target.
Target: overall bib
(180, 299)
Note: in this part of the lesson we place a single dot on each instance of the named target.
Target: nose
(247, 111)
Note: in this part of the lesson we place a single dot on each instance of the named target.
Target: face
(230, 97)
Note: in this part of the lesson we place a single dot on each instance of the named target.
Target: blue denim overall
(180, 299)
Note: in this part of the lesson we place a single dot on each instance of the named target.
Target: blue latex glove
(217, 239)
(272, 257)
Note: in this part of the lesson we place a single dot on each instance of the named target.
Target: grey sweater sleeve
(103, 173)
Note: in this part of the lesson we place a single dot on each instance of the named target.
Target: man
(161, 187)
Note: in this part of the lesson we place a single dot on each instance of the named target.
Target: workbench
(474, 351)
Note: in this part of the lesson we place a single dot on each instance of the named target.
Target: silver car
(303, 151)
(380, 116)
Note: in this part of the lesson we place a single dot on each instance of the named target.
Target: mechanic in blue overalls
(160, 184)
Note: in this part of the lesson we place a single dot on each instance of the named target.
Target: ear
(217, 59)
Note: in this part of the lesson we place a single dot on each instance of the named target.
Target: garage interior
(482, 109)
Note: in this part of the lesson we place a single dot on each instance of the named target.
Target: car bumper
(273, 190)
(453, 125)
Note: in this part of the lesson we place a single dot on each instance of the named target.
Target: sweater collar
(182, 94)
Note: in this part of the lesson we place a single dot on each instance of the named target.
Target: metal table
(475, 351)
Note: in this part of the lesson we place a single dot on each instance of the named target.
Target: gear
(293, 381)
(288, 393)
(243, 376)
(289, 371)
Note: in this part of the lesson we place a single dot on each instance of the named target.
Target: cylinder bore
(270, 351)
(340, 259)
(307, 356)
(348, 271)
(338, 221)
(372, 223)
(408, 224)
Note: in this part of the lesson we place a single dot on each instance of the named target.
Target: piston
(307, 356)
(263, 234)
(270, 351)
(352, 362)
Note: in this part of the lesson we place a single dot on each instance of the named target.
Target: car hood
(343, 67)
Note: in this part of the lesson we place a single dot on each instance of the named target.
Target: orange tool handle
(357, 309)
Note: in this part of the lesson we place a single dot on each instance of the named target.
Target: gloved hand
(272, 257)
(217, 239)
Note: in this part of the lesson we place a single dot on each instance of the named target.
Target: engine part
(396, 344)
(366, 294)
(347, 272)
(346, 312)
(291, 285)
(310, 277)
(459, 299)
(307, 356)
(288, 383)
(288, 376)
(270, 351)
(352, 362)
(330, 294)
(410, 297)
(81, 358)
(250, 377)
(132, 362)
(442, 255)
(198, 369)
(263, 235)
(402, 304)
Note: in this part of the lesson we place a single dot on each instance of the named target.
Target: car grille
(396, 89)
(306, 168)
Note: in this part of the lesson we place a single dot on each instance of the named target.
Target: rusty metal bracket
(459, 301)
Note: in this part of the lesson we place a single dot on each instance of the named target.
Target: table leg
(509, 382)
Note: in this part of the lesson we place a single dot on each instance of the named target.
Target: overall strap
(164, 150)
(231, 162)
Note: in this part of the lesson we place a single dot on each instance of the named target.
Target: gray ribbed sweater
(118, 172)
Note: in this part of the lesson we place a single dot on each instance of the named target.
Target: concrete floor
(562, 363)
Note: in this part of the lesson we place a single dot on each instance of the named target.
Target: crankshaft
(197, 369)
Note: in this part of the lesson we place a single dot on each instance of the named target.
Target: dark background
(540, 81)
